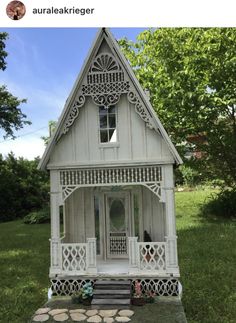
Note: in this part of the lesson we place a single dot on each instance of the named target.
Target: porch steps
(111, 293)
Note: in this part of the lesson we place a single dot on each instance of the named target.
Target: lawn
(24, 263)
(207, 258)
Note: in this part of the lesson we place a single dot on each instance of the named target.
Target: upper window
(107, 119)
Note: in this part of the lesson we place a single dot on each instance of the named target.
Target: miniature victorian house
(111, 174)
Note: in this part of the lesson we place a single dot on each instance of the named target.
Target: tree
(23, 188)
(191, 76)
(11, 117)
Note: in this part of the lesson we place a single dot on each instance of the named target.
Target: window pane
(112, 135)
(112, 121)
(103, 135)
(117, 214)
(102, 110)
(103, 121)
(112, 109)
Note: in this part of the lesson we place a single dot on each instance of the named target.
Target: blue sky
(42, 66)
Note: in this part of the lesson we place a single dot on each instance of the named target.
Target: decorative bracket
(74, 112)
(140, 110)
(68, 190)
(105, 84)
(157, 190)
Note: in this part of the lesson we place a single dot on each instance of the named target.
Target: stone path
(82, 315)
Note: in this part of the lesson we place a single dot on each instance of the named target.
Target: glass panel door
(117, 225)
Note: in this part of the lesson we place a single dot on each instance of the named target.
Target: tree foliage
(52, 127)
(191, 76)
(23, 188)
(3, 53)
(11, 116)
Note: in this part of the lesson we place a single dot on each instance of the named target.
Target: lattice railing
(120, 175)
(152, 256)
(118, 244)
(74, 257)
(106, 77)
(161, 287)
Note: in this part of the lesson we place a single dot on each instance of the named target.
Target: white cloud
(27, 147)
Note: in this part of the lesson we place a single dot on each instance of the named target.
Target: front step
(111, 293)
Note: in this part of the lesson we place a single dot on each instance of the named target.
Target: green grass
(207, 259)
(24, 265)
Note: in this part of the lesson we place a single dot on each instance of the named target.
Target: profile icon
(15, 10)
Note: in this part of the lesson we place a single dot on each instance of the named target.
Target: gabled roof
(104, 33)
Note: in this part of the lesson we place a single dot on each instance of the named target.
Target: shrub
(85, 293)
(42, 216)
(23, 188)
(223, 204)
(188, 176)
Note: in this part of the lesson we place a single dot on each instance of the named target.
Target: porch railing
(78, 258)
(144, 257)
(147, 257)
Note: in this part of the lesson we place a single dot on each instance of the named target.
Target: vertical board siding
(79, 215)
(124, 150)
(153, 215)
(135, 140)
(89, 213)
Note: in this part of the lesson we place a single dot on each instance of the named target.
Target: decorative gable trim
(133, 90)
(73, 114)
(105, 83)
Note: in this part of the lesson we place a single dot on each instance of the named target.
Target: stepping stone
(60, 317)
(107, 313)
(108, 320)
(122, 319)
(79, 310)
(78, 317)
(126, 313)
(91, 312)
(41, 318)
(57, 311)
(43, 310)
(94, 319)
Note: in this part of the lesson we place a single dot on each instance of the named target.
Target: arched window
(108, 124)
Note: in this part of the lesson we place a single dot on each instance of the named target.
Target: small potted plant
(84, 295)
(150, 297)
(137, 298)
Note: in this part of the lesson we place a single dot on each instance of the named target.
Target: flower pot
(137, 301)
(76, 299)
(149, 300)
(87, 301)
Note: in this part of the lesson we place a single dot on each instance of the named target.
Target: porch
(144, 259)
(117, 221)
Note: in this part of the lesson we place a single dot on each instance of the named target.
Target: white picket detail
(74, 257)
(152, 256)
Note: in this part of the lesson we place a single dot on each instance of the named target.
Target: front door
(117, 224)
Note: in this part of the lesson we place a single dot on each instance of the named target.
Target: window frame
(108, 143)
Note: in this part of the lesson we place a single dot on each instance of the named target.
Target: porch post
(133, 254)
(55, 225)
(171, 238)
(91, 256)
